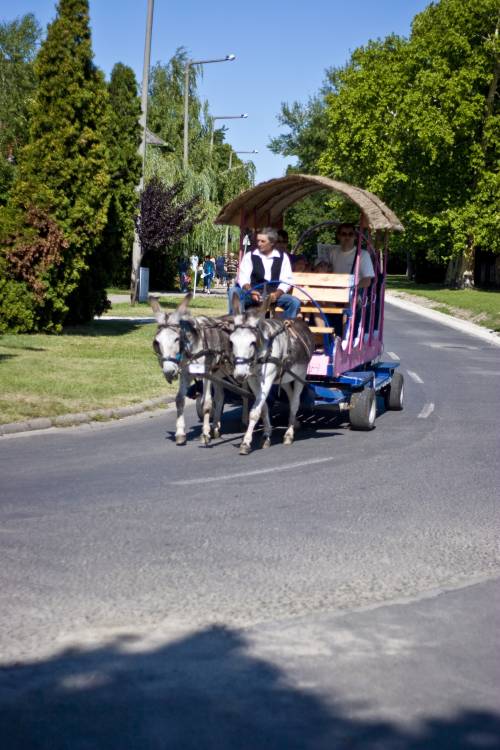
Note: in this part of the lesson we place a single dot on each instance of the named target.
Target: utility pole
(136, 249)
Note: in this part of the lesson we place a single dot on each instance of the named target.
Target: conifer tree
(64, 167)
(124, 137)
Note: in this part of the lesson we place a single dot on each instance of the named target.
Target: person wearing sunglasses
(343, 257)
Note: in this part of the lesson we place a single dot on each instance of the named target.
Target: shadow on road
(205, 692)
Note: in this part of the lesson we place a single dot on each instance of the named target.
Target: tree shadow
(205, 691)
(104, 327)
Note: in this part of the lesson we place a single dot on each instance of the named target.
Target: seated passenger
(300, 264)
(266, 263)
(344, 261)
(343, 258)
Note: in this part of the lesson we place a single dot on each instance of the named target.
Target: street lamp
(230, 166)
(224, 117)
(227, 58)
(238, 152)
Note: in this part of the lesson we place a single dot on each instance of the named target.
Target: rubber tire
(395, 393)
(363, 410)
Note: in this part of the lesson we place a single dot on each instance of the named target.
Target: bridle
(175, 360)
(260, 344)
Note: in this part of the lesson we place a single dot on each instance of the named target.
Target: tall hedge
(124, 137)
(64, 167)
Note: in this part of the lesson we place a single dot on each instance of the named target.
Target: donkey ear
(235, 303)
(160, 314)
(182, 308)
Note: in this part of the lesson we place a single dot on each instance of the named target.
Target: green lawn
(105, 364)
(477, 305)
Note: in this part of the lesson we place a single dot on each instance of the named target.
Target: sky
(282, 48)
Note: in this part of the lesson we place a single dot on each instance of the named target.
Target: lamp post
(136, 248)
(224, 117)
(227, 58)
(229, 167)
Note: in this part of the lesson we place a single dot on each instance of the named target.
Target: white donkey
(177, 357)
(266, 352)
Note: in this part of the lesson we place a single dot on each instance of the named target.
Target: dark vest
(257, 275)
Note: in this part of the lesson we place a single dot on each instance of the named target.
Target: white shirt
(286, 275)
(343, 262)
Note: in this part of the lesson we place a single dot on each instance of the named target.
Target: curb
(70, 420)
(448, 320)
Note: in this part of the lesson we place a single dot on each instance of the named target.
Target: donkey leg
(287, 387)
(261, 391)
(180, 400)
(218, 407)
(207, 410)
(296, 389)
(266, 423)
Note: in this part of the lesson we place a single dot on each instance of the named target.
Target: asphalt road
(338, 593)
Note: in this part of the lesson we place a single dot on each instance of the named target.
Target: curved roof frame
(265, 203)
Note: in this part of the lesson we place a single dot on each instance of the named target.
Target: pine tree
(64, 167)
(124, 137)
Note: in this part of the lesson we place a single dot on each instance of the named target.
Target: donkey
(179, 356)
(266, 352)
(207, 350)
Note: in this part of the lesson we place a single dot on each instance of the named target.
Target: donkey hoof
(244, 449)
(180, 440)
(287, 440)
(205, 439)
(215, 433)
(266, 442)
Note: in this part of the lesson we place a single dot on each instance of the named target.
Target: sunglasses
(346, 234)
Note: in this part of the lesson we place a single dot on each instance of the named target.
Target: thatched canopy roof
(264, 204)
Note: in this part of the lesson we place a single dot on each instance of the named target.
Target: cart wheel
(363, 410)
(394, 394)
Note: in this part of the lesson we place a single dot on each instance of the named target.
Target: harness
(211, 348)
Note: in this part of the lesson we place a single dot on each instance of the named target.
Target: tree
(123, 137)
(416, 121)
(164, 217)
(64, 167)
(18, 43)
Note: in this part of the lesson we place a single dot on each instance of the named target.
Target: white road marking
(438, 345)
(426, 411)
(393, 355)
(414, 376)
(240, 474)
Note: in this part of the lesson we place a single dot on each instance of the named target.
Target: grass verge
(481, 306)
(106, 364)
(101, 365)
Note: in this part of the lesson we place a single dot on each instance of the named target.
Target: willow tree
(208, 175)
(64, 167)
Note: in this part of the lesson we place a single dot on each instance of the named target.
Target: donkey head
(167, 341)
(245, 340)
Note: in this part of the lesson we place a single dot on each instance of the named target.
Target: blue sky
(282, 48)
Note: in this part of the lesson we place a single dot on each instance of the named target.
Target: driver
(266, 263)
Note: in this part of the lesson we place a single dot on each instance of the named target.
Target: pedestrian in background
(232, 270)
(208, 273)
(220, 270)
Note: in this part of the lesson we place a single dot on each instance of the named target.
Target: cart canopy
(264, 204)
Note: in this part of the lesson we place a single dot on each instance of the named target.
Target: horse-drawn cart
(345, 370)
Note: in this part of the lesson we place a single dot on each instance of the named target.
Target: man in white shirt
(266, 263)
(343, 257)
